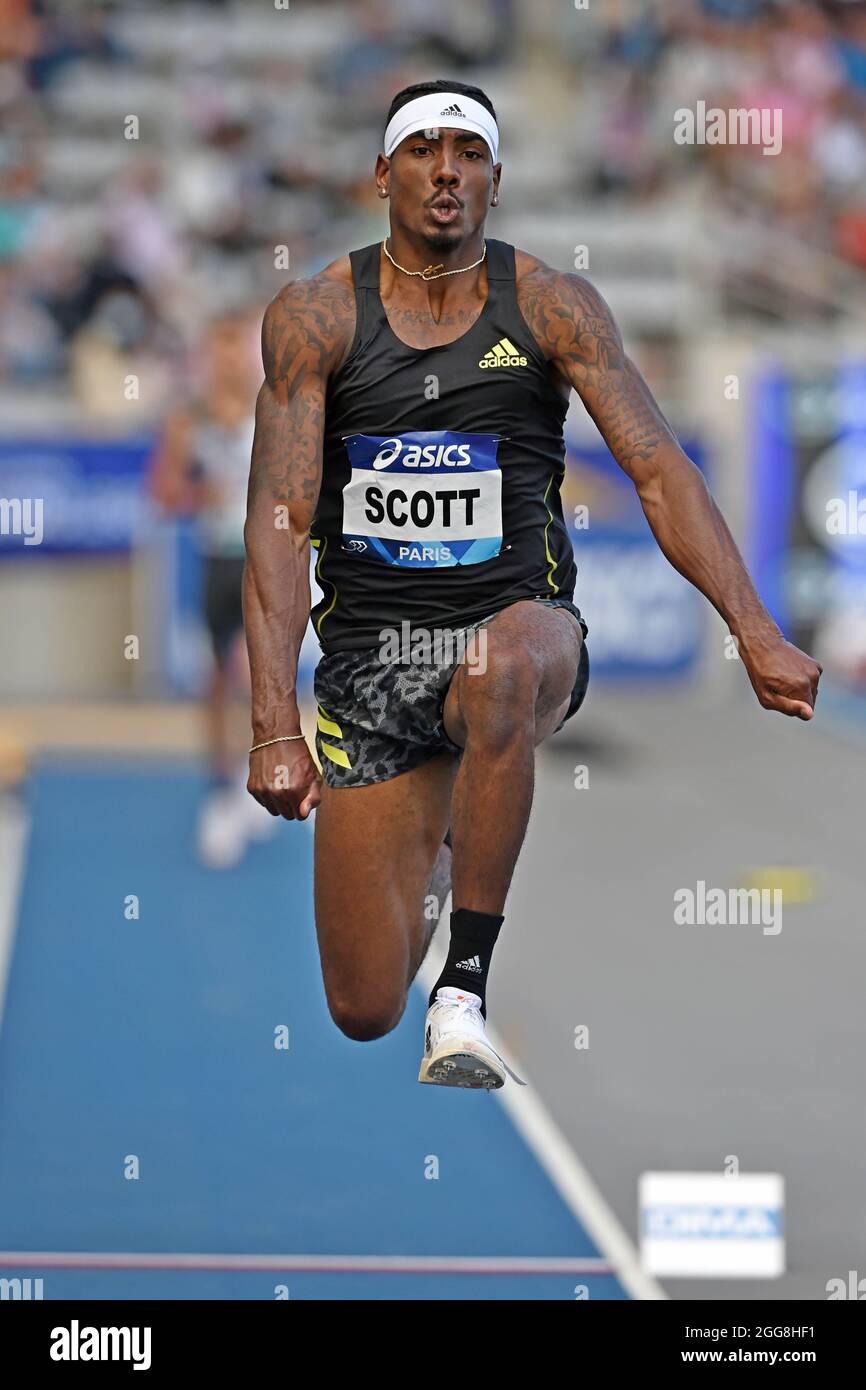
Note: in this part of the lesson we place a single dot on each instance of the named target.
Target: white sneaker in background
(456, 1050)
(221, 838)
(258, 823)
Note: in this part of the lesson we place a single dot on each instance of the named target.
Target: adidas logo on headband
(425, 113)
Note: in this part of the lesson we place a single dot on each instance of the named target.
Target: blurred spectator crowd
(156, 157)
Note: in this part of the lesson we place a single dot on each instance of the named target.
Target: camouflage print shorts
(378, 718)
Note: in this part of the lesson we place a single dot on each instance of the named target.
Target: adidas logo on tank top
(503, 354)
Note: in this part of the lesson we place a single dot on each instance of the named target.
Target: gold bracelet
(285, 738)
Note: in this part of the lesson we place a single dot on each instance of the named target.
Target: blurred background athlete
(201, 468)
(410, 426)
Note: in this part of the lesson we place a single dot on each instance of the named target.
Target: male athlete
(200, 467)
(410, 426)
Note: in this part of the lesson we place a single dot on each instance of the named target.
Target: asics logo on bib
(503, 354)
(424, 499)
(426, 456)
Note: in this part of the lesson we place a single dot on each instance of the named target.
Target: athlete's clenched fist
(783, 677)
(285, 780)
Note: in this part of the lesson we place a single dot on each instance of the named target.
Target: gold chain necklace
(426, 273)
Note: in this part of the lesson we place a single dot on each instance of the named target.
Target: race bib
(423, 499)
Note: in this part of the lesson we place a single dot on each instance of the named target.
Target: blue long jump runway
(147, 1045)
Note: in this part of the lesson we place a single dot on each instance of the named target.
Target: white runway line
(14, 824)
(542, 1135)
(314, 1264)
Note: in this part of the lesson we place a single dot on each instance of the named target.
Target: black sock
(473, 936)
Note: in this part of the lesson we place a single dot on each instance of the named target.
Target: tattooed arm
(305, 333)
(574, 328)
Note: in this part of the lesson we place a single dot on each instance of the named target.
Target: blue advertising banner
(807, 545)
(644, 619)
(70, 496)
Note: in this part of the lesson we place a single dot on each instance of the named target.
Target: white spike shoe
(456, 1050)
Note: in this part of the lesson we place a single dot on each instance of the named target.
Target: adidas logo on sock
(503, 354)
(473, 964)
(452, 111)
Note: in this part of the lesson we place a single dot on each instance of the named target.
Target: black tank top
(441, 472)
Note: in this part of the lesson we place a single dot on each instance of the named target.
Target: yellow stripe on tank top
(324, 615)
(551, 561)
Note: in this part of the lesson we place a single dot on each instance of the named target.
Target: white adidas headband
(435, 109)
